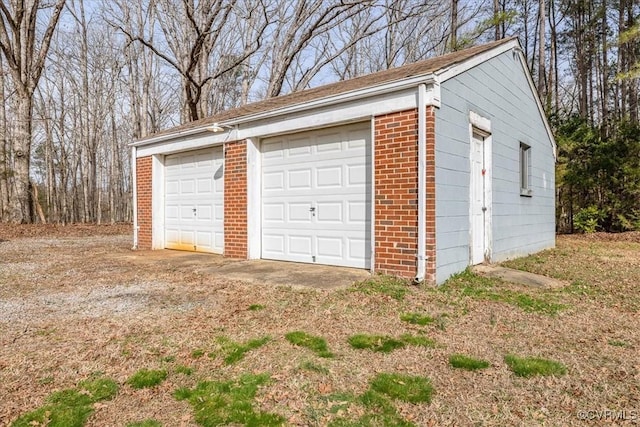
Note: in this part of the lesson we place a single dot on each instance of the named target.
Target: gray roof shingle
(425, 67)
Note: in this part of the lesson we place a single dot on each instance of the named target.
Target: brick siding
(396, 193)
(144, 192)
(235, 200)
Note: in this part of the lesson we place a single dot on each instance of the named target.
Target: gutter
(134, 192)
(296, 108)
(422, 183)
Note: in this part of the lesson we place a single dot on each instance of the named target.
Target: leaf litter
(76, 301)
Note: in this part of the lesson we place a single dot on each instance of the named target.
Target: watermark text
(609, 415)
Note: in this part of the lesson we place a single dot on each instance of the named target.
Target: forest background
(80, 79)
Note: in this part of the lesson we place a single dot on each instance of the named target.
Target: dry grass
(81, 304)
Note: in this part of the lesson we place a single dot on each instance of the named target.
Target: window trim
(524, 155)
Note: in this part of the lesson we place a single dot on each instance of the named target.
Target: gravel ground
(77, 301)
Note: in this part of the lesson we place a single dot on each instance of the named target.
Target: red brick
(235, 200)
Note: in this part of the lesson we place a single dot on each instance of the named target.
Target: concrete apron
(253, 271)
(518, 277)
(291, 274)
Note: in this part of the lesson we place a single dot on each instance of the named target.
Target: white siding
(497, 90)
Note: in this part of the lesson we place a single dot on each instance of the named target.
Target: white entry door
(479, 203)
(316, 197)
(194, 197)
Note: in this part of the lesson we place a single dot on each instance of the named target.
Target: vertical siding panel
(497, 89)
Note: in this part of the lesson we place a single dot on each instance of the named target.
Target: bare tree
(191, 30)
(25, 56)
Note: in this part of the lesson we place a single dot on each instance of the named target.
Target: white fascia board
(349, 111)
(367, 92)
(196, 135)
(447, 73)
(183, 142)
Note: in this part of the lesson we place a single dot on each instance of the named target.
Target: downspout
(134, 192)
(422, 183)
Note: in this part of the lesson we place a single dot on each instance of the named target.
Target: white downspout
(134, 192)
(422, 183)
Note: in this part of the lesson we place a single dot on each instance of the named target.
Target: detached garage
(418, 171)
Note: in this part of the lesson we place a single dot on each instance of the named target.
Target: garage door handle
(313, 211)
(194, 211)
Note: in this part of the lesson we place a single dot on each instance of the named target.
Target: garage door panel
(187, 186)
(320, 212)
(356, 141)
(330, 212)
(218, 216)
(299, 244)
(273, 244)
(299, 179)
(357, 175)
(194, 200)
(204, 239)
(299, 212)
(357, 211)
(329, 177)
(356, 248)
(273, 212)
(330, 247)
(205, 213)
(273, 181)
(186, 213)
(205, 186)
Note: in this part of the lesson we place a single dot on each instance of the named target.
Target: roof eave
(370, 91)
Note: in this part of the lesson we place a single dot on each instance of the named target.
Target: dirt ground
(76, 301)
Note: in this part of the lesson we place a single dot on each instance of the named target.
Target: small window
(525, 170)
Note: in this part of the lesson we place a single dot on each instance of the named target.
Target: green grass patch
(229, 402)
(145, 423)
(70, 407)
(146, 378)
(417, 340)
(232, 351)
(387, 344)
(378, 343)
(417, 319)
(316, 344)
(474, 286)
(618, 343)
(391, 286)
(412, 389)
(197, 353)
(256, 307)
(184, 370)
(460, 361)
(531, 366)
(380, 411)
(579, 287)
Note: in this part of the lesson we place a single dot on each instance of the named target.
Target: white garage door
(316, 197)
(194, 196)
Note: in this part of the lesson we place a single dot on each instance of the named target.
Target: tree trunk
(541, 52)
(21, 209)
(454, 26)
(496, 19)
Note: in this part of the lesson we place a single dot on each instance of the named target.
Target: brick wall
(143, 189)
(396, 193)
(235, 199)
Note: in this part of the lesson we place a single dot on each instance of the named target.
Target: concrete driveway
(263, 271)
